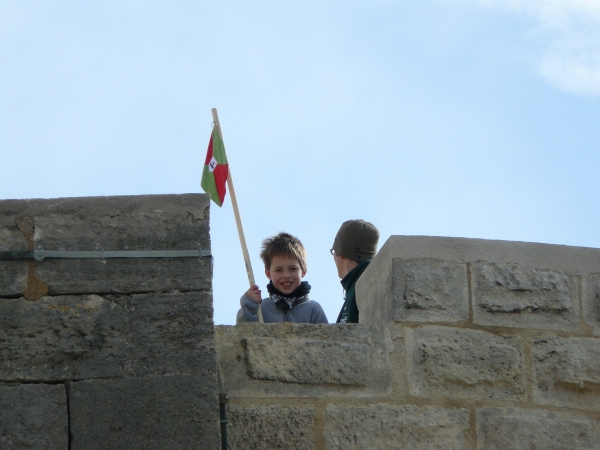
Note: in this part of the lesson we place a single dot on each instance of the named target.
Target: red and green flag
(216, 169)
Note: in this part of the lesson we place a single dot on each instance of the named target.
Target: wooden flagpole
(236, 213)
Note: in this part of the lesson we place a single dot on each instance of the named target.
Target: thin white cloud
(571, 59)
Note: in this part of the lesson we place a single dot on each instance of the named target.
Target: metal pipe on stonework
(39, 254)
(17, 254)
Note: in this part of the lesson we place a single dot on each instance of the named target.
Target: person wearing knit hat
(353, 248)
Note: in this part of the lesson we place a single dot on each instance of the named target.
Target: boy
(353, 248)
(284, 257)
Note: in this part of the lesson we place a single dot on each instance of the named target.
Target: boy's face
(285, 273)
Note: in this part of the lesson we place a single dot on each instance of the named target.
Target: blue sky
(467, 118)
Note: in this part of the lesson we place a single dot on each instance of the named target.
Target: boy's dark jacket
(349, 312)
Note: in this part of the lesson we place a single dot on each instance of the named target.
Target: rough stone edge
(571, 259)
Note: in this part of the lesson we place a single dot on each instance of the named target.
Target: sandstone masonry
(107, 353)
(463, 344)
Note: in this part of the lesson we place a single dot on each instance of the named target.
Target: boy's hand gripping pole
(238, 220)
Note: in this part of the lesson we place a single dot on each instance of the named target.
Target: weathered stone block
(177, 411)
(523, 429)
(421, 290)
(386, 426)
(567, 372)
(458, 363)
(270, 427)
(511, 295)
(13, 279)
(13, 274)
(304, 360)
(398, 360)
(591, 301)
(152, 222)
(431, 290)
(34, 416)
(89, 336)
(308, 361)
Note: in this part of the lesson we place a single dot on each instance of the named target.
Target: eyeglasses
(332, 251)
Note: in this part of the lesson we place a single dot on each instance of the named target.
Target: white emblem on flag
(212, 165)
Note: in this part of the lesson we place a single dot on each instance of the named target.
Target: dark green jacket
(349, 312)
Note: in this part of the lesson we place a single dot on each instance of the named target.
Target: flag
(216, 169)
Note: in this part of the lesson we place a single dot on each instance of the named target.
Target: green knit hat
(356, 240)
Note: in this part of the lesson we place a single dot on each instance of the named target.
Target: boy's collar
(300, 291)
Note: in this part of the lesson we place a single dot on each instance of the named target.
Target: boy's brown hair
(283, 244)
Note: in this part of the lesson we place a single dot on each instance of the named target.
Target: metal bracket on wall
(40, 254)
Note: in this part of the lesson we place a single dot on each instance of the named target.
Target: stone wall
(107, 353)
(463, 344)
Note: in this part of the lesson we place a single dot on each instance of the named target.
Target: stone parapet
(463, 344)
(438, 387)
(150, 222)
(502, 284)
(107, 353)
(296, 360)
